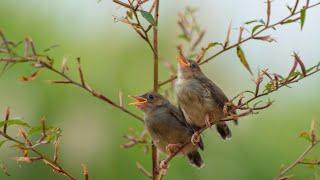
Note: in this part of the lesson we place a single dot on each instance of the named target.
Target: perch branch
(251, 37)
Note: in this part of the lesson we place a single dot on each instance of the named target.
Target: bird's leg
(195, 139)
(207, 120)
(172, 148)
(163, 165)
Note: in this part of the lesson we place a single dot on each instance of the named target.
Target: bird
(167, 127)
(200, 99)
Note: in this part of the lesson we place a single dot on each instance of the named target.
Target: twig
(47, 160)
(245, 106)
(69, 80)
(6, 120)
(85, 172)
(143, 170)
(154, 153)
(296, 162)
(243, 40)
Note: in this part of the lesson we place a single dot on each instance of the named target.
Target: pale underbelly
(196, 113)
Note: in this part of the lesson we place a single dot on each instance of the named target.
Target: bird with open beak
(167, 127)
(201, 101)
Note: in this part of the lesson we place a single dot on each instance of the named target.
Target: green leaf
(184, 37)
(2, 142)
(37, 129)
(302, 17)
(250, 22)
(129, 14)
(34, 130)
(289, 8)
(305, 135)
(15, 122)
(213, 44)
(243, 59)
(148, 16)
(269, 87)
(255, 28)
(288, 21)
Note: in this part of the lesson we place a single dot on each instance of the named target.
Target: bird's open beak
(138, 100)
(183, 61)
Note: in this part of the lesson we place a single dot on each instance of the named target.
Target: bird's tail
(195, 159)
(223, 130)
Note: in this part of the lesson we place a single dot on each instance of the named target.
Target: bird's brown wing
(178, 114)
(216, 93)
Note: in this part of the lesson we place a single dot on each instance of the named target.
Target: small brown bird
(201, 100)
(167, 126)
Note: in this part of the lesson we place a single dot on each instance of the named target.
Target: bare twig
(143, 170)
(155, 172)
(6, 120)
(68, 80)
(299, 160)
(85, 172)
(27, 145)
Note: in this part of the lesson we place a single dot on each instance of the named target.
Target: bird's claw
(172, 148)
(207, 121)
(163, 165)
(195, 139)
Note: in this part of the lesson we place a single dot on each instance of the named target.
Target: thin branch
(85, 172)
(69, 80)
(244, 40)
(154, 153)
(143, 170)
(6, 120)
(122, 4)
(245, 105)
(45, 159)
(296, 162)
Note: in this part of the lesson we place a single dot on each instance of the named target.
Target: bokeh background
(114, 58)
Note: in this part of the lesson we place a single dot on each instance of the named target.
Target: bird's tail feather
(195, 159)
(223, 130)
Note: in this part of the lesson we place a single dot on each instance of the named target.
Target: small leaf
(148, 16)
(2, 142)
(250, 22)
(184, 37)
(262, 22)
(305, 135)
(288, 21)
(255, 28)
(32, 77)
(302, 17)
(129, 14)
(213, 44)
(289, 8)
(34, 130)
(269, 87)
(243, 59)
(15, 122)
(226, 42)
(293, 74)
(298, 59)
(267, 38)
(51, 47)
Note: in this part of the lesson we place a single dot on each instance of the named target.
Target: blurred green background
(114, 58)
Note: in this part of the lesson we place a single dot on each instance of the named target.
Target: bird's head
(187, 68)
(149, 101)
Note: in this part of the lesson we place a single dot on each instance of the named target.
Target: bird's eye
(150, 96)
(193, 66)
